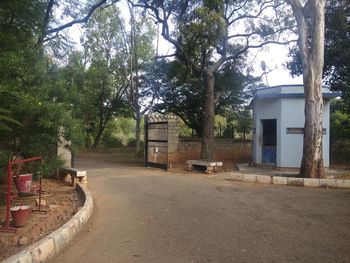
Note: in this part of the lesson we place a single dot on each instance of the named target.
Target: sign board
(295, 130)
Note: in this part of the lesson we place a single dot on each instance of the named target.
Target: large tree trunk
(312, 160)
(311, 22)
(97, 138)
(207, 151)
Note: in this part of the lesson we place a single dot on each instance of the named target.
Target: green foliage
(120, 132)
(46, 168)
(184, 130)
(337, 45)
(202, 30)
(340, 135)
(97, 78)
(340, 125)
(229, 131)
(49, 167)
(244, 121)
(5, 157)
(183, 94)
(29, 82)
(211, 38)
(6, 120)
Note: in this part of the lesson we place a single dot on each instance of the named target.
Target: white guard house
(279, 123)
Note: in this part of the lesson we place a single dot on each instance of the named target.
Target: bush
(340, 137)
(47, 168)
(111, 141)
(340, 151)
(5, 157)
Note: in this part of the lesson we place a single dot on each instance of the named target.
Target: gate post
(146, 140)
(159, 129)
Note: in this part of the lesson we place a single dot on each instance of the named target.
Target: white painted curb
(290, 181)
(51, 245)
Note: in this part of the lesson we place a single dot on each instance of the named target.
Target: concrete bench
(211, 166)
(74, 174)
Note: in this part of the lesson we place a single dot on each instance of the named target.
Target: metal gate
(156, 141)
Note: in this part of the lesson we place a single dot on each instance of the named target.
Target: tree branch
(248, 35)
(45, 22)
(79, 21)
(259, 46)
(165, 29)
(263, 6)
(165, 56)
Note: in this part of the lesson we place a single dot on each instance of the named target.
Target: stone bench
(211, 166)
(74, 174)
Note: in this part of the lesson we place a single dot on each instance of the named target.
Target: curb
(290, 181)
(49, 246)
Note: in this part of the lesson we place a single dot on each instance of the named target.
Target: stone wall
(158, 152)
(225, 149)
(176, 151)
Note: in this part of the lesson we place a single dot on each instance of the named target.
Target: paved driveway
(145, 215)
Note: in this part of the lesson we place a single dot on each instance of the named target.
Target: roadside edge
(49, 246)
(279, 180)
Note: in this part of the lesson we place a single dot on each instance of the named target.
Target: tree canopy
(184, 96)
(336, 71)
(210, 35)
(50, 90)
(28, 84)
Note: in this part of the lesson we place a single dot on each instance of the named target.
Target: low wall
(49, 246)
(225, 149)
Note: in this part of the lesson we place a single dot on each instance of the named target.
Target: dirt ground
(61, 204)
(126, 155)
(148, 215)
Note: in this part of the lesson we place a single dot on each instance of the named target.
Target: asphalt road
(145, 215)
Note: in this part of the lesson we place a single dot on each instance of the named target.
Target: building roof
(326, 95)
(290, 91)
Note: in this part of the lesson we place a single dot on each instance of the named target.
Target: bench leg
(209, 170)
(189, 167)
(83, 180)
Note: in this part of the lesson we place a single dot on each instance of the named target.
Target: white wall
(292, 144)
(289, 113)
(326, 125)
(266, 109)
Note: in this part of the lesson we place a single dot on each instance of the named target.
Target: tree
(6, 120)
(182, 94)
(141, 53)
(206, 39)
(340, 133)
(244, 121)
(106, 77)
(28, 83)
(310, 20)
(336, 69)
(51, 29)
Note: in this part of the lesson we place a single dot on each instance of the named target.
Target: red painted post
(8, 196)
(6, 227)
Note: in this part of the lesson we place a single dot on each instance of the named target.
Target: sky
(274, 56)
